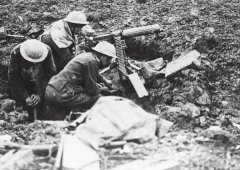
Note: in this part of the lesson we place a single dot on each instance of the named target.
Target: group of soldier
(47, 77)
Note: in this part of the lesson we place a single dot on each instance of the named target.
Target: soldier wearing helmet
(31, 67)
(76, 86)
(60, 37)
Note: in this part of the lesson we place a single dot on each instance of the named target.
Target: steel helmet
(33, 51)
(77, 17)
(106, 48)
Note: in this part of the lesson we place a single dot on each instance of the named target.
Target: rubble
(196, 97)
(181, 62)
(150, 164)
(19, 160)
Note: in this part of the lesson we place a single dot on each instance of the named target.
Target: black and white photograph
(119, 85)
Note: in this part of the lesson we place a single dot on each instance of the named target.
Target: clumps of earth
(9, 113)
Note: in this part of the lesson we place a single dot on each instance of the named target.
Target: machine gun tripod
(126, 69)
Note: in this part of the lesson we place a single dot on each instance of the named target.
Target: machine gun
(126, 69)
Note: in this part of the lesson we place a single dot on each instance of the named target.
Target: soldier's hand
(108, 83)
(35, 99)
(28, 101)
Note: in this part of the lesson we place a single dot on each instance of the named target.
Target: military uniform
(26, 78)
(61, 41)
(75, 87)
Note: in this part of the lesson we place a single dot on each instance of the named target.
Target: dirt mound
(210, 27)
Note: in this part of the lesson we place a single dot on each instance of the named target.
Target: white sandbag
(117, 118)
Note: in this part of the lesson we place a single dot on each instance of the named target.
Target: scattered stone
(202, 120)
(5, 139)
(49, 16)
(192, 92)
(16, 117)
(191, 110)
(51, 131)
(17, 160)
(8, 105)
(163, 126)
(217, 133)
(2, 122)
(103, 25)
(151, 68)
(35, 30)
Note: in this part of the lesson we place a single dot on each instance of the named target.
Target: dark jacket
(80, 75)
(26, 78)
(61, 55)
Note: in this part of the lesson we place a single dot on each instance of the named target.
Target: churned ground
(195, 99)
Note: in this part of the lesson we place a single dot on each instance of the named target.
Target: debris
(8, 105)
(152, 68)
(186, 110)
(193, 92)
(16, 116)
(217, 133)
(74, 153)
(138, 85)
(49, 16)
(18, 160)
(35, 30)
(116, 118)
(103, 25)
(160, 164)
(191, 110)
(112, 145)
(36, 149)
(236, 125)
(202, 120)
(181, 62)
(4, 35)
(163, 127)
(87, 30)
(5, 138)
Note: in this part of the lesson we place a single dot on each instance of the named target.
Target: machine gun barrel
(131, 32)
(134, 32)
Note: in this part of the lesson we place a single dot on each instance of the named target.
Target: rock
(202, 120)
(187, 110)
(141, 1)
(8, 105)
(224, 103)
(191, 109)
(151, 68)
(171, 113)
(33, 16)
(217, 133)
(129, 148)
(192, 92)
(3, 123)
(17, 160)
(51, 131)
(103, 25)
(163, 126)
(35, 30)
(5, 138)
(49, 16)
(144, 21)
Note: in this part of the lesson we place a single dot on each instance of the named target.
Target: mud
(210, 27)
